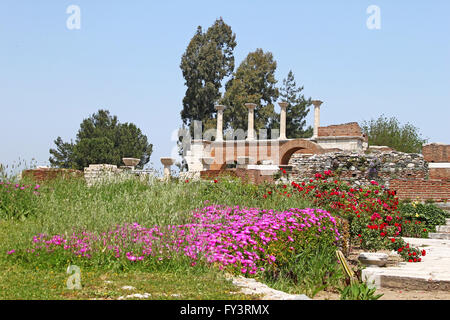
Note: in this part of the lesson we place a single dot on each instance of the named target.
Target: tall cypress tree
(207, 61)
(253, 82)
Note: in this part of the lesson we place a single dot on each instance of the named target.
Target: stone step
(447, 222)
(443, 229)
(443, 236)
(430, 274)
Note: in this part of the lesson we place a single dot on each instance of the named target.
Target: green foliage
(359, 291)
(102, 139)
(18, 201)
(309, 267)
(253, 82)
(297, 110)
(389, 132)
(207, 60)
(428, 213)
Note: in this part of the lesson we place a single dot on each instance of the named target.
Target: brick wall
(437, 190)
(246, 175)
(436, 152)
(46, 174)
(348, 129)
(439, 173)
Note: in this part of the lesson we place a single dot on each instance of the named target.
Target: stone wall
(99, 173)
(361, 168)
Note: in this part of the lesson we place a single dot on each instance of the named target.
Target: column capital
(283, 104)
(250, 106)
(317, 103)
(219, 107)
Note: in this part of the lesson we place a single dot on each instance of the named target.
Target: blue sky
(126, 56)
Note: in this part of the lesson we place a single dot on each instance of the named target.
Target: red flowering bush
(372, 211)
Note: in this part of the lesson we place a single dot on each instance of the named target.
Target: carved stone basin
(131, 162)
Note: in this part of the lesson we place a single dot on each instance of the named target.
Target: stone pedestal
(167, 163)
(131, 162)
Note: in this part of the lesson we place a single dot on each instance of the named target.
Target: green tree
(102, 139)
(253, 82)
(389, 132)
(62, 156)
(207, 61)
(297, 109)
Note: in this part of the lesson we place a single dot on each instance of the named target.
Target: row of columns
(251, 115)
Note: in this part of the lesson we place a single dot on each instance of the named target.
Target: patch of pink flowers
(243, 239)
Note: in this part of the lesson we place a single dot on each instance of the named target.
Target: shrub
(428, 214)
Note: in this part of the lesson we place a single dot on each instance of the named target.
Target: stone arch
(289, 148)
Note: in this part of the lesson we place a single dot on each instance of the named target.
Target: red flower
(392, 240)
(423, 252)
(215, 181)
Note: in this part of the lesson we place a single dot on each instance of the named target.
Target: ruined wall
(341, 130)
(246, 175)
(361, 168)
(436, 152)
(99, 173)
(46, 174)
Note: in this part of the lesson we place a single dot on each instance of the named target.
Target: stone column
(219, 134)
(283, 106)
(251, 113)
(167, 162)
(316, 104)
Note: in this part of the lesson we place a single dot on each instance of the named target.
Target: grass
(65, 205)
(18, 282)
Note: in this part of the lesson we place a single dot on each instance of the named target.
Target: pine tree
(297, 110)
(102, 139)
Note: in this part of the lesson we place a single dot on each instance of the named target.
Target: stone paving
(432, 273)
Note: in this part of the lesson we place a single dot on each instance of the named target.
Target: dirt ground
(388, 294)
